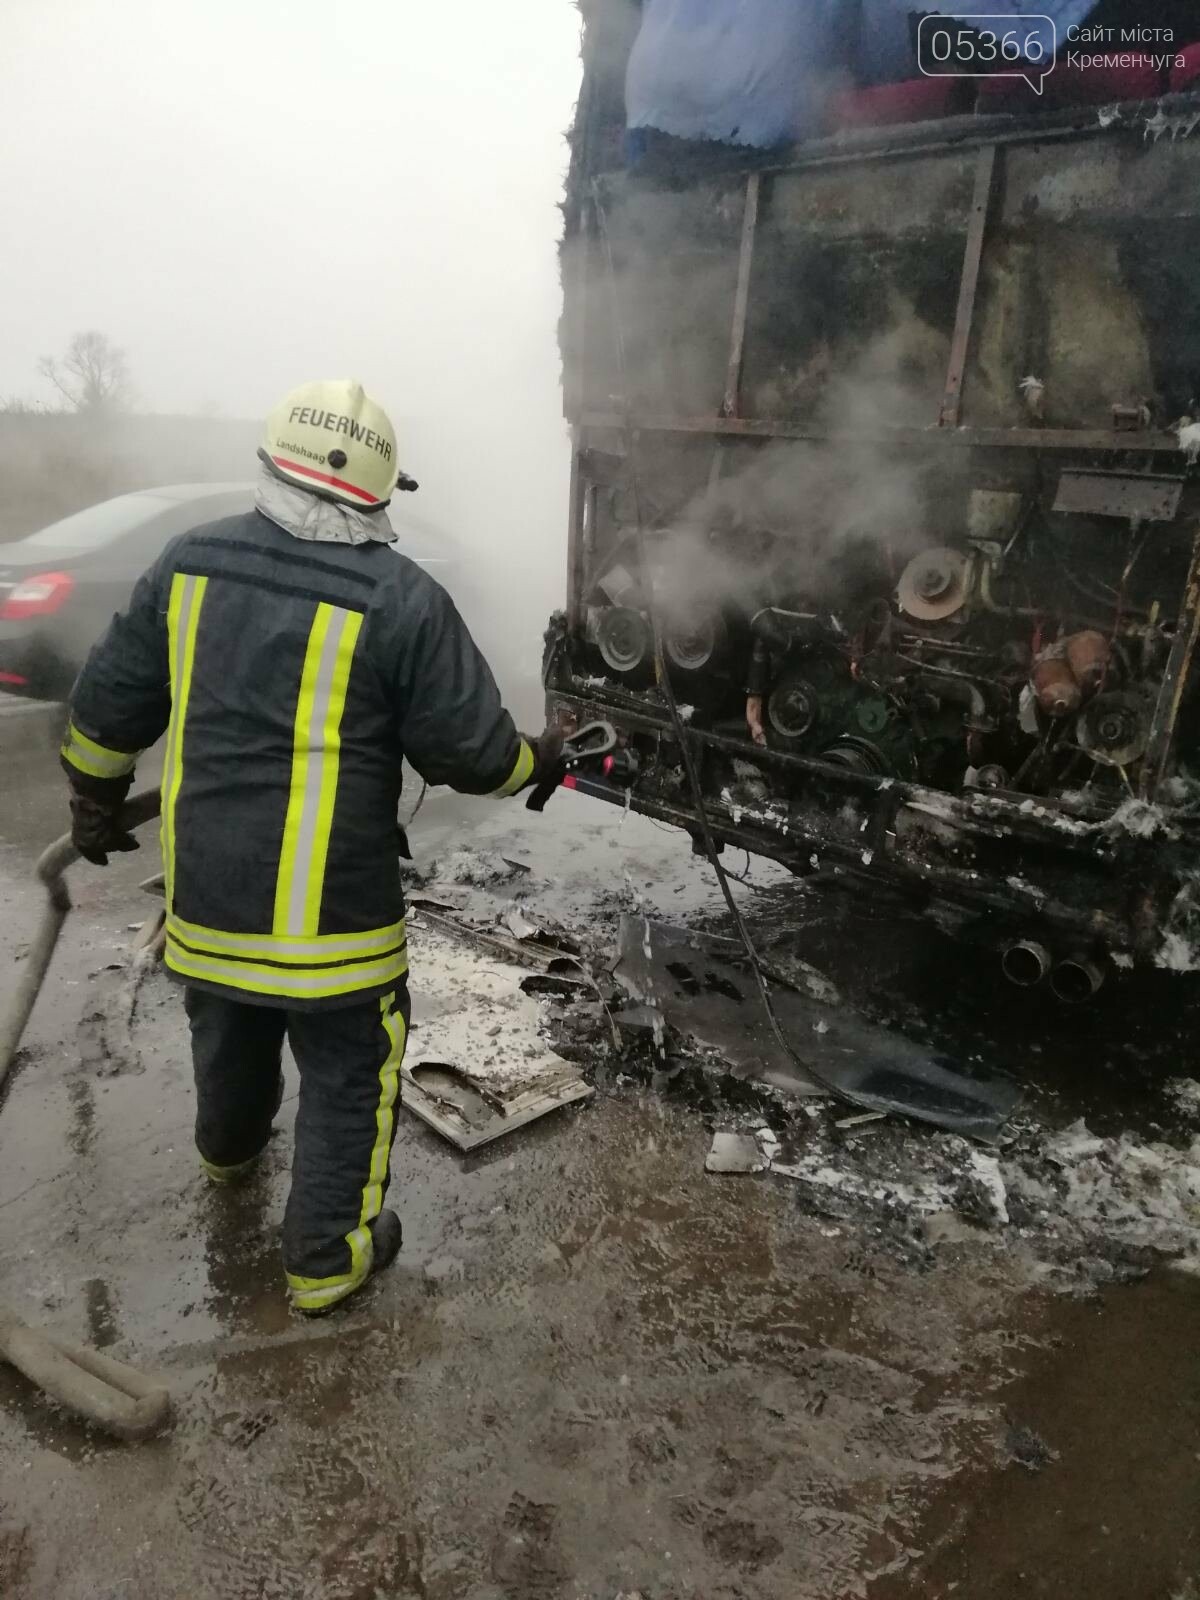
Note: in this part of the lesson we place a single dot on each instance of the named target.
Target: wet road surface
(595, 1370)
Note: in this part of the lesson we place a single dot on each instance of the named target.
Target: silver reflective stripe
(328, 947)
(317, 757)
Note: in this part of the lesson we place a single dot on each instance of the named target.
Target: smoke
(846, 338)
(790, 521)
(244, 199)
(55, 465)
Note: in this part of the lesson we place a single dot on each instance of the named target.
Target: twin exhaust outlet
(1073, 981)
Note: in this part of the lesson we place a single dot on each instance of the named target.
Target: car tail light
(39, 596)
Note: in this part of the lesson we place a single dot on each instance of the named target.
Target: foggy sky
(248, 195)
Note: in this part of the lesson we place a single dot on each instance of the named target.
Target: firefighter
(292, 660)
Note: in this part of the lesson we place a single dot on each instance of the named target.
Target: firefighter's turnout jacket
(290, 679)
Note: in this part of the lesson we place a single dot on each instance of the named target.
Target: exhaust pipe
(1026, 963)
(1077, 980)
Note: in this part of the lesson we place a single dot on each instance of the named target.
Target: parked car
(60, 587)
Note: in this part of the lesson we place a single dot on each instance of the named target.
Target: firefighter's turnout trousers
(291, 680)
(349, 1060)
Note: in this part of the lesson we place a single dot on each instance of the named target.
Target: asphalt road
(595, 1370)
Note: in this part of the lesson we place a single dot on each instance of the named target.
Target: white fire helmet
(330, 438)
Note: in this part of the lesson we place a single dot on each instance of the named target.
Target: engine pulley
(933, 586)
(793, 706)
(623, 638)
(862, 756)
(1114, 728)
(692, 641)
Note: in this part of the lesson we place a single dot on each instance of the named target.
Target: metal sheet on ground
(477, 1064)
(702, 986)
(452, 1104)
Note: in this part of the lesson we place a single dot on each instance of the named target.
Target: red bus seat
(914, 100)
(1189, 73)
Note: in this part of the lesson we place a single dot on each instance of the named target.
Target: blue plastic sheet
(743, 73)
(754, 72)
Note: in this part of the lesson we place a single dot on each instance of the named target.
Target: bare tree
(93, 376)
(15, 405)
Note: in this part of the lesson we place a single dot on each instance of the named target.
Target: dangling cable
(663, 679)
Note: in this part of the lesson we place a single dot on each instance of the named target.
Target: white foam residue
(1023, 887)
(469, 1013)
(816, 1170)
(986, 1168)
(1143, 1195)
(1184, 1094)
(1177, 953)
(1139, 818)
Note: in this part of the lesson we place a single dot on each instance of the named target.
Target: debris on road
(1117, 1199)
(474, 868)
(735, 1152)
(701, 985)
(494, 924)
(1089, 1210)
(1183, 1095)
(478, 1066)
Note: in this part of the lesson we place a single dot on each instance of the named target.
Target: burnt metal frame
(949, 433)
(1157, 764)
(968, 287)
(794, 847)
(1077, 439)
(989, 141)
(731, 405)
(949, 884)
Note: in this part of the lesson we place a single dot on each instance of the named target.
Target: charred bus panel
(895, 440)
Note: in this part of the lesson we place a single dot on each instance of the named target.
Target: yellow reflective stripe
(326, 947)
(183, 618)
(312, 984)
(229, 1174)
(389, 1089)
(520, 774)
(338, 1282)
(95, 759)
(312, 1294)
(315, 1294)
(389, 1085)
(316, 757)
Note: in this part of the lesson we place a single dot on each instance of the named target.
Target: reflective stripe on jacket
(290, 680)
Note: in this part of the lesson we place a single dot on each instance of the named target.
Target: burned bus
(891, 438)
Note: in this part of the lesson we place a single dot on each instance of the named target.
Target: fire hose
(94, 1386)
(98, 1388)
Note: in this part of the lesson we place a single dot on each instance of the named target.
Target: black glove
(549, 768)
(96, 828)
